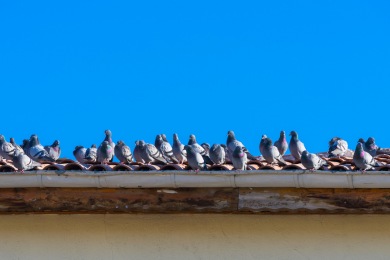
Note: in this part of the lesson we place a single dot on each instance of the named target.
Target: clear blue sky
(70, 70)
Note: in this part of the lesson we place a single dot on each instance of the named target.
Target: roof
(335, 164)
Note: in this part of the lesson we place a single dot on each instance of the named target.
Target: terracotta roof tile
(64, 164)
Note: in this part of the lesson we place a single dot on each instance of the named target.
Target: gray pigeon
(361, 140)
(363, 160)
(7, 150)
(178, 149)
(123, 152)
(14, 144)
(271, 153)
(164, 137)
(105, 153)
(232, 143)
(137, 153)
(217, 154)
(26, 147)
(296, 146)
(108, 138)
(312, 161)
(79, 153)
(370, 146)
(281, 143)
(337, 147)
(150, 154)
(37, 151)
(165, 149)
(22, 162)
(54, 150)
(262, 143)
(206, 148)
(198, 148)
(227, 159)
(195, 159)
(239, 158)
(91, 154)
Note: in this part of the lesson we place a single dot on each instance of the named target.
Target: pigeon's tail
(207, 159)
(204, 167)
(378, 164)
(250, 156)
(281, 161)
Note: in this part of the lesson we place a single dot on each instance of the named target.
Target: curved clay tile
(334, 163)
(342, 167)
(270, 167)
(252, 167)
(223, 167)
(100, 168)
(53, 167)
(347, 159)
(64, 160)
(335, 159)
(297, 166)
(174, 167)
(383, 168)
(124, 167)
(8, 168)
(76, 166)
(148, 167)
(259, 163)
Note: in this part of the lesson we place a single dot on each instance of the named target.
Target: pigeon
(178, 149)
(79, 153)
(14, 144)
(206, 148)
(363, 160)
(54, 150)
(281, 143)
(150, 154)
(91, 154)
(198, 148)
(164, 137)
(26, 147)
(194, 145)
(271, 153)
(261, 146)
(108, 138)
(296, 146)
(370, 146)
(195, 159)
(165, 149)
(217, 154)
(239, 158)
(37, 151)
(105, 153)
(123, 152)
(227, 159)
(232, 143)
(337, 147)
(22, 162)
(361, 140)
(7, 150)
(312, 161)
(137, 153)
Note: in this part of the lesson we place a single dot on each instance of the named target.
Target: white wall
(207, 236)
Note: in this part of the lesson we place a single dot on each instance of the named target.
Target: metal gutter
(186, 179)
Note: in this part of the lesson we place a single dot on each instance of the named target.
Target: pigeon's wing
(8, 149)
(155, 154)
(277, 156)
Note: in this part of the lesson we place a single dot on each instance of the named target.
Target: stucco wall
(206, 236)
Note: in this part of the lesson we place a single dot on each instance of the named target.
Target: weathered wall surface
(192, 236)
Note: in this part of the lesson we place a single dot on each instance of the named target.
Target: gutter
(203, 179)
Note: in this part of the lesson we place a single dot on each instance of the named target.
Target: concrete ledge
(186, 179)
